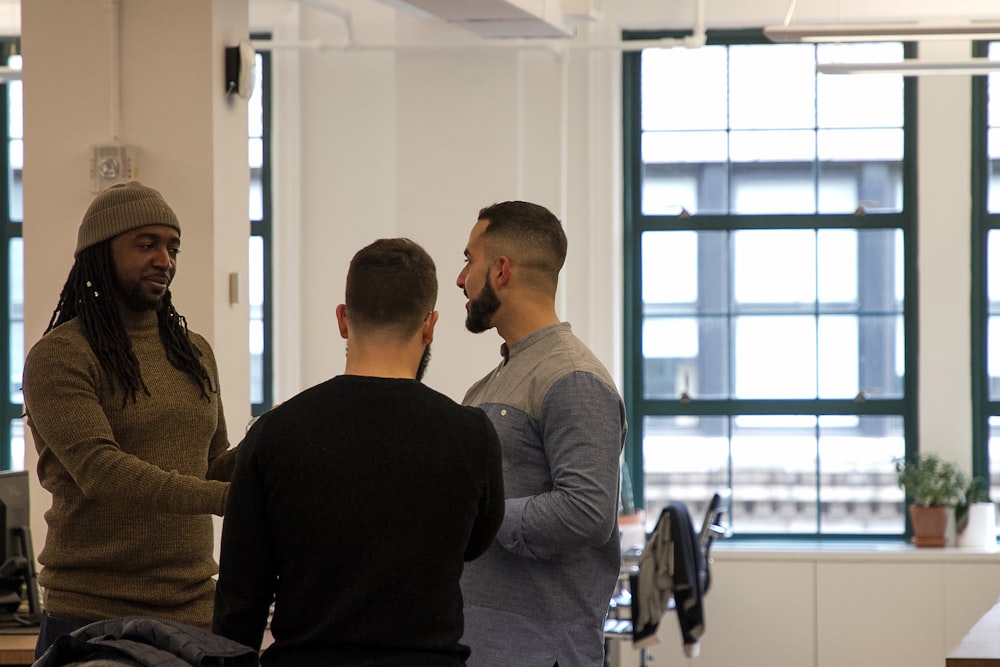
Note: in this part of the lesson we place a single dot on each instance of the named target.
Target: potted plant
(933, 486)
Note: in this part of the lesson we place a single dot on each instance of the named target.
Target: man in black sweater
(355, 504)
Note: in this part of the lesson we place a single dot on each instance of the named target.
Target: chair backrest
(713, 527)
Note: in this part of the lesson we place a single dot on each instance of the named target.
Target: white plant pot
(981, 529)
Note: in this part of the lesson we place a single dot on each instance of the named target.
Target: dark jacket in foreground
(672, 564)
(353, 507)
(139, 640)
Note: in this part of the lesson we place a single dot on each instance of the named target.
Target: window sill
(813, 551)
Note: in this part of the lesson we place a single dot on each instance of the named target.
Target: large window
(986, 269)
(12, 278)
(768, 244)
(259, 120)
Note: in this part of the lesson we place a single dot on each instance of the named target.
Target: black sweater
(353, 507)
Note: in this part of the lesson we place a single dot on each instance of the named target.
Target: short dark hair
(391, 287)
(529, 233)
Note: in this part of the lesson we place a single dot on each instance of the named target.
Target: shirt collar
(520, 345)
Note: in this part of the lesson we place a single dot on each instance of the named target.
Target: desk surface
(18, 649)
(981, 645)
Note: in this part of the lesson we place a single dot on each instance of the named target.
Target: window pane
(685, 356)
(775, 357)
(685, 330)
(15, 276)
(789, 474)
(774, 266)
(255, 110)
(686, 459)
(670, 268)
(858, 489)
(770, 187)
(837, 95)
(681, 147)
(255, 290)
(671, 74)
(15, 149)
(993, 355)
(880, 356)
(772, 87)
(993, 321)
(17, 444)
(669, 189)
(256, 362)
(837, 267)
(15, 98)
(837, 357)
(792, 142)
(993, 132)
(772, 146)
(993, 144)
(774, 462)
(994, 454)
(256, 195)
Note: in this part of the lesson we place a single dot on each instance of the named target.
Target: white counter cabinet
(835, 605)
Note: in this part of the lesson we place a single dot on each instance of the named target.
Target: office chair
(626, 618)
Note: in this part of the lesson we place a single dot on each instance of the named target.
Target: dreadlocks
(87, 295)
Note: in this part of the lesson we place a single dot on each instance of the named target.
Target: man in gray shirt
(539, 595)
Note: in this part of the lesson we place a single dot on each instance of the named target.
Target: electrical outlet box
(112, 163)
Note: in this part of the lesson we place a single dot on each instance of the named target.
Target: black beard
(482, 309)
(135, 301)
(424, 360)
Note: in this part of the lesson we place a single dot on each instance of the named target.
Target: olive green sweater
(133, 488)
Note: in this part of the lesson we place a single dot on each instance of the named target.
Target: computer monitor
(16, 510)
(15, 529)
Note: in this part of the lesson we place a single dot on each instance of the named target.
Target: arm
(221, 459)
(491, 504)
(582, 427)
(247, 571)
(64, 410)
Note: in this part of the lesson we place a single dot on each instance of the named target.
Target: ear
(428, 332)
(503, 270)
(342, 320)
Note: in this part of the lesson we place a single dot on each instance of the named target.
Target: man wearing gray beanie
(124, 407)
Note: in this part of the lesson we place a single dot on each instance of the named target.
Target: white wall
(413, 142)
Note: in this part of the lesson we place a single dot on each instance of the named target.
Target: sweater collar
(136, 321)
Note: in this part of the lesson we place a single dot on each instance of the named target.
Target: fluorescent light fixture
(915, 67)
(883, 32)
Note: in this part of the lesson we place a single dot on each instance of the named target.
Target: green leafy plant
(930, 481)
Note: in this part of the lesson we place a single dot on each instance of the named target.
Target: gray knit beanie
(121, 208)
